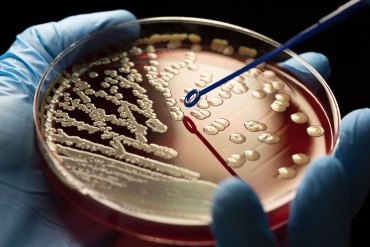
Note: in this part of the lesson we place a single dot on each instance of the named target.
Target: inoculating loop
(192, 98)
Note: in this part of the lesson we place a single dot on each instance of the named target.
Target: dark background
(347, 45)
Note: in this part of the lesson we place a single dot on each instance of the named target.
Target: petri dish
(109, 117)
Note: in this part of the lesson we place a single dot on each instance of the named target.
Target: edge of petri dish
(278, 214)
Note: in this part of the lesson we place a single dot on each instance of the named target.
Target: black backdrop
(347, 45)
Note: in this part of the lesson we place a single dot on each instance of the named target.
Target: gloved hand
(31, 212)
(331, 193)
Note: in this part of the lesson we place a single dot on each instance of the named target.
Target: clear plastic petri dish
(109, 116)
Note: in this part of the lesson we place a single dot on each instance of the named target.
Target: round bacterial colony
(114, 126)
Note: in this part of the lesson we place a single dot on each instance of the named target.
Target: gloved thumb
(56, 36)
(34, 49)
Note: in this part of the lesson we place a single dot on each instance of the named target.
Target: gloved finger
(317, 60)
(23, 65)
(238, 218)
(353, 151)
(320, 214)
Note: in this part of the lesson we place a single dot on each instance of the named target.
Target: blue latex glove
(31, 212)
(331, 193)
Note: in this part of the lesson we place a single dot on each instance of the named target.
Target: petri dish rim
(280, 215)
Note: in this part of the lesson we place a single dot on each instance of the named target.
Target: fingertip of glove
(236, 204)
(233, 195)
(238, 217)
(99, 20)
(117, 15)
(317, 60)
(320, 171)
(355, 128)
